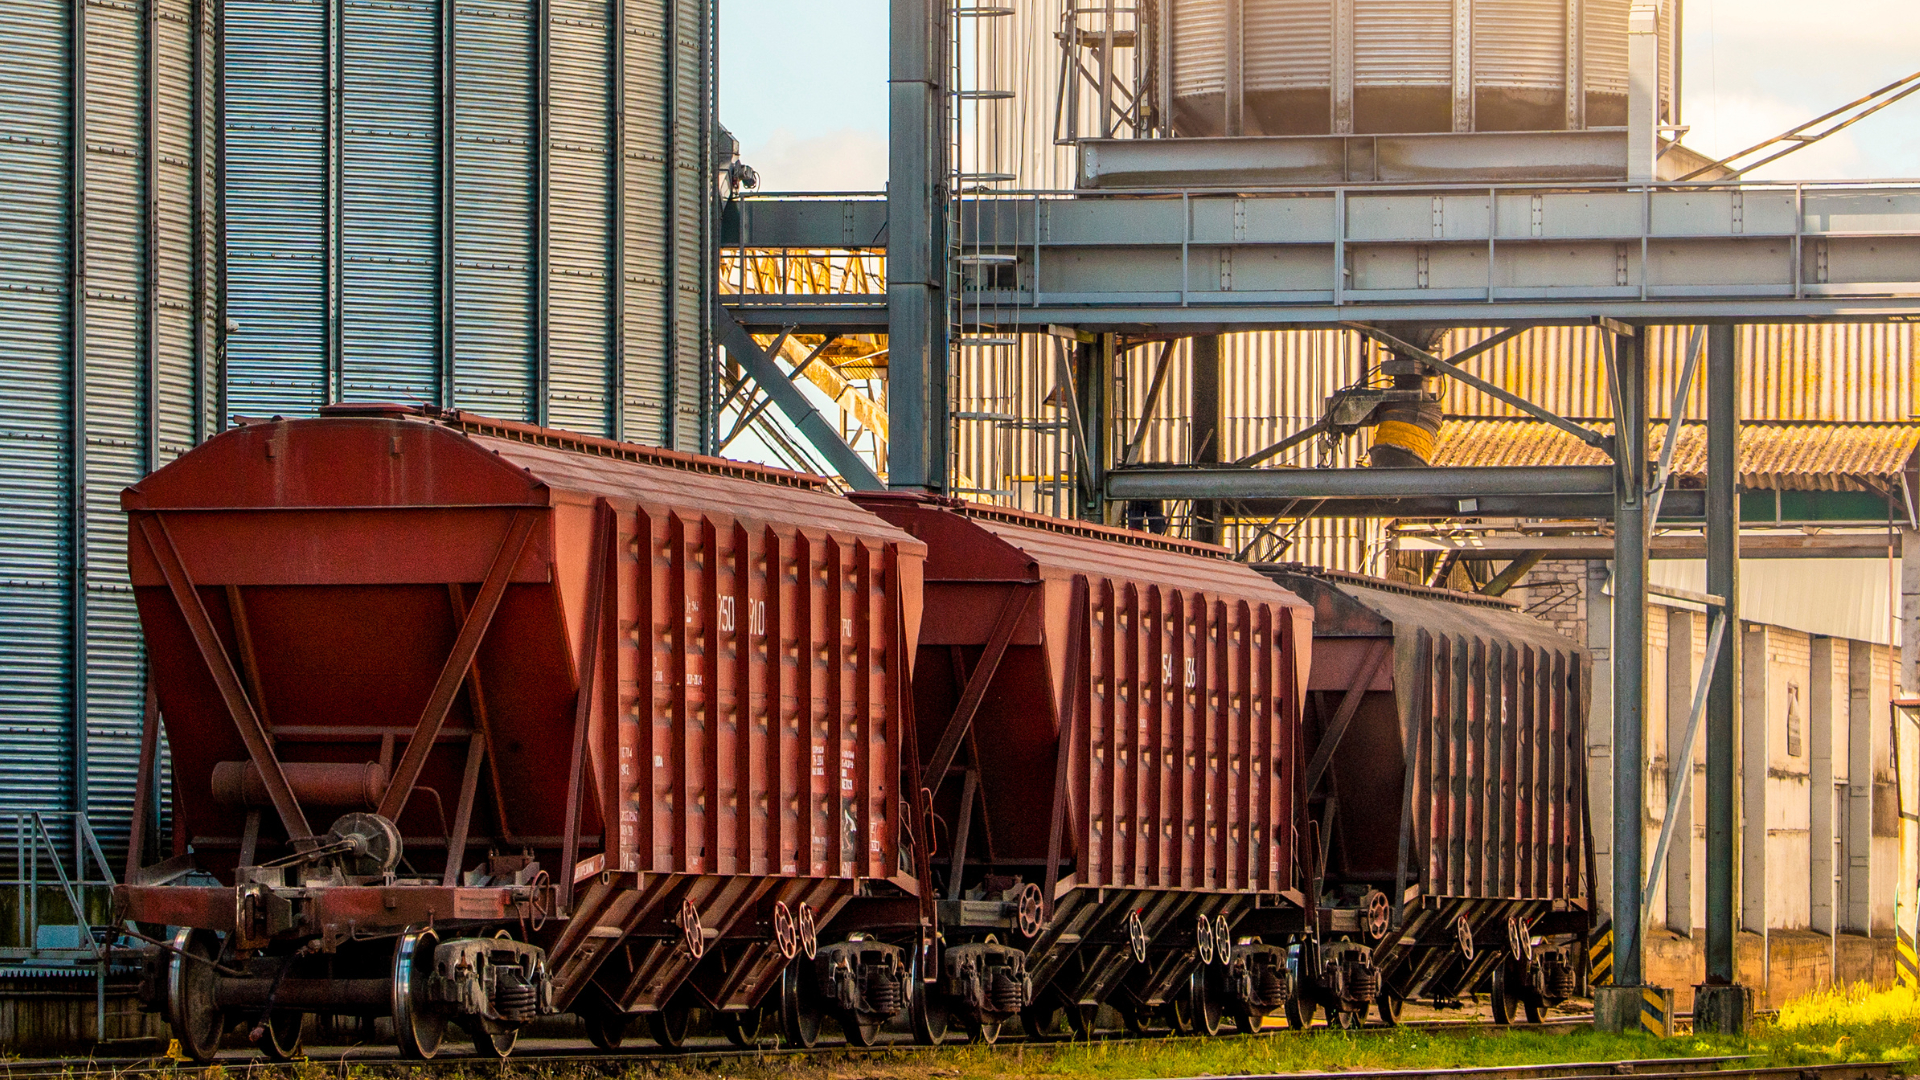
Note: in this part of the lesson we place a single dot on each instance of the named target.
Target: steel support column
(1723, 697)
(1720, 1004)
(916, 247)
(1629, 655)
(1204, 408)
(1092, 373)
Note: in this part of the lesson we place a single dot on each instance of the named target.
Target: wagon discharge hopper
(1109, 727)
(1447, 786)
(472, 721)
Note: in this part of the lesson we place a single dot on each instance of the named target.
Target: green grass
(1853, 1024)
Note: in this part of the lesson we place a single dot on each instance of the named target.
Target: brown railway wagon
(1446, 782)
(473, 721)
(1109, 730)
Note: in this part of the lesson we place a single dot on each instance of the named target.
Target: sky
(803, 83)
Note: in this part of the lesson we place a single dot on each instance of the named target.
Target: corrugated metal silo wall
(502, 206)
(108, 286)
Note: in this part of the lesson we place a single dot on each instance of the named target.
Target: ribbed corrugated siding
(115, 412)
(1402, 42)
(494, 210)
(1199, 47)
(1606, 37)
(390, 171)
(644, 257)
(580, 345)
(1520, 44)
(1288, 44)
(1831, 372)
(533, 278)
(148, 307)
(36, 563)
(692, 180)
(276, 119)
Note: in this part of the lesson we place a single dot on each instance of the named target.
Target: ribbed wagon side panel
(759, 724)
(389, 200)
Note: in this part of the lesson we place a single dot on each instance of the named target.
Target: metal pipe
(1227, 482)
(1629, 656)
(1723, 699)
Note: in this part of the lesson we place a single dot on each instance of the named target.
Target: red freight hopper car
(473, 721)
(1448, 784)
(1109, 725)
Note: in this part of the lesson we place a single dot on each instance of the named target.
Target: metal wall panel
(1288, 44)
(495, 206)
(1606, 38)
(643, 258)
(692, 122)
(1520, 44)
(1402, 43)
(99, 384)
(447, 227)
(276, 199)
(1199, 48)
(389, 199)
(581, 348)
(36, 446)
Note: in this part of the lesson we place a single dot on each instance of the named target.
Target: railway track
(555, 1055)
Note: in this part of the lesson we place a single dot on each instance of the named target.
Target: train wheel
(192, 1011)
(669, 1026)
(799, 1019)
(1347, 1019)
(1246, 1022)
(1534, 1011)
(742, 1029)
(983, 1031)
(606, 1027)
(1389, 1008)
(859, 1030)
(929, 1015)
(1133, 1016)
(280, 1035)
(1195, 1010)
(1041, 1019)
(1082, 1020)
(1300, 1013)
(417, 1025)
(491, 1044)
(1502, 1006)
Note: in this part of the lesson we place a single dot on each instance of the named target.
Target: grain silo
(1396, 67)
(108, 346)
(497, 205)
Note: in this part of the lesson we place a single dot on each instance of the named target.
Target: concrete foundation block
(1633, 1008)
(1722, 1010)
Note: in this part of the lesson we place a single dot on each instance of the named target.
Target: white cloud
(845, 160)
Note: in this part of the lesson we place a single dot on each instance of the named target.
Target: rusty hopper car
(1446, 788)
(472, 721)
(1109, 732)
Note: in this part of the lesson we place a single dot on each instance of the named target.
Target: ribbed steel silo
(497, 205)
(108, 365)
(1315, 67)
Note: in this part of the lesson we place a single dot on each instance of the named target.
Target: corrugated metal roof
(1785, 456)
